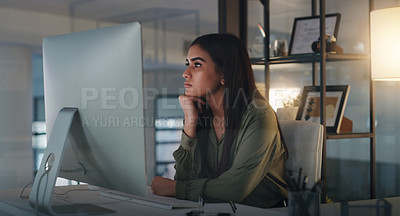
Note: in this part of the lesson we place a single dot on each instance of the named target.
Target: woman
(231, 147)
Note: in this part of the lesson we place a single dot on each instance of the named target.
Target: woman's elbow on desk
(163, 186)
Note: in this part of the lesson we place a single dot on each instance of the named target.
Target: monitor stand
(67, 126)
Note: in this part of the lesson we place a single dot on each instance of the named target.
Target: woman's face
(201, 78)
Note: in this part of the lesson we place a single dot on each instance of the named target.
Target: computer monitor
(93, 87)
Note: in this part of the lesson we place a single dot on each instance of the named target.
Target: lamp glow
(385, 44)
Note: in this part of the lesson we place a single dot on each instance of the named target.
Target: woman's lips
(187, 85)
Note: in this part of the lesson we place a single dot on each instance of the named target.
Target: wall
(28, 28)
(21, 36)
(16, 161)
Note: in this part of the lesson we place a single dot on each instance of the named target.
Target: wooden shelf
(349, 135)
(309, 58)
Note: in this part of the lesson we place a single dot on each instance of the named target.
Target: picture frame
(306, 30)
(336, 99)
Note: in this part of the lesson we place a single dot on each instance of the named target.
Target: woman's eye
(197, 64)
(187, 64)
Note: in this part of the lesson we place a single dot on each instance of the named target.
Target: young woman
(231, 148)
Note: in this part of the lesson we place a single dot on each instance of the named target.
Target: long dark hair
(232, 60)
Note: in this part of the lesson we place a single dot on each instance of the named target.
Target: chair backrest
(304, 141)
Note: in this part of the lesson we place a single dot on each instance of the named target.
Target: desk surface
(11, 204)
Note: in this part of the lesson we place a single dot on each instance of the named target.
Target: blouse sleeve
(187, 166)
(258, 148)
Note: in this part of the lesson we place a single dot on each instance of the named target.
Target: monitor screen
(99, 72)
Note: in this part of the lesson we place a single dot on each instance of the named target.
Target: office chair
(304, 141)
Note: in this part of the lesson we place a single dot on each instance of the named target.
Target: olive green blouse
(257, 161)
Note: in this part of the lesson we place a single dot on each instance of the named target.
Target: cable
(71, 190)
(23, 189)
(80, 168)
(37, 191)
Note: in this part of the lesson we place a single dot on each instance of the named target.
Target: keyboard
(150, 200)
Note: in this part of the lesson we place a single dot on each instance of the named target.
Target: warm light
(385, 44)
(279, 96)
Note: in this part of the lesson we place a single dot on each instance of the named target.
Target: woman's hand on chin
(163, 186)
(191, 107)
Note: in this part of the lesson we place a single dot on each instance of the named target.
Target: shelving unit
(322, 58)
(311, 58)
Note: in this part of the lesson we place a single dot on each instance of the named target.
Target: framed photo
(306, 31)
(336, 99)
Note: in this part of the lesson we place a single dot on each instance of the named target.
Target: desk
(11, 204)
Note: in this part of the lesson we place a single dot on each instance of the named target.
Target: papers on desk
(150, 200)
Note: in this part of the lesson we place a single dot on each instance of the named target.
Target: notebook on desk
(150, 200)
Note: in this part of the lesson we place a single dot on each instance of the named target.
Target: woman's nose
(186, 74)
